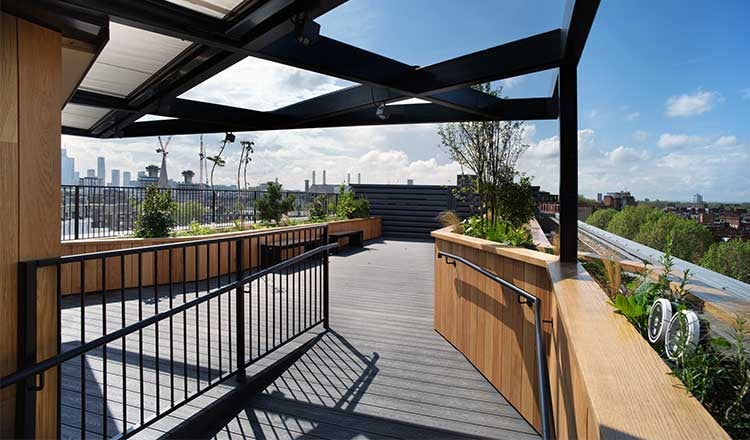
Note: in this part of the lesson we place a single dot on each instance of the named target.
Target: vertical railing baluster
(104, 348)
(140, 331)
(156, 332)
(326, 311)
(240, 310)
(171, 333)
(124, 348)
(184, 323)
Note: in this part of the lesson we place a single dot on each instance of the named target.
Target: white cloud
(511, 83)
(725, 141)
(626, 154)
(691, 105)
(745, 93)
(640, 135)
(633, 116)
(591, 114)
(669, 140)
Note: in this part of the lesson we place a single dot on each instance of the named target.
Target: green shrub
(514, 202)
(319, 208)
(189, 212)
(732, 258)
(273, 206)
(350, 207)
(195, 228)
(501, 232)
(156, 218)
(601, 218)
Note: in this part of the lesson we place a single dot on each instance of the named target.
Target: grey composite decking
(382, 372)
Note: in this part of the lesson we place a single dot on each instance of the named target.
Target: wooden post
(568, 93)
(30, 97)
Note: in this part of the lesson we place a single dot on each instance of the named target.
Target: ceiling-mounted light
(307, 31)
(382, 112)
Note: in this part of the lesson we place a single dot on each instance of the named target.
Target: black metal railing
(150, 329)
(111, 211)
(545, 398)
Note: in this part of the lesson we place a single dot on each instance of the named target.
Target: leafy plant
(450, 218)
(319, 208)
(349, 206)
(501, 232)
(156, 218)
(189, 212)
(195, 228)
(273, 206)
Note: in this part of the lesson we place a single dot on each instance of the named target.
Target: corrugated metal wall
(410, 211)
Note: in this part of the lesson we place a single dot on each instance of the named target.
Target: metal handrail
(534, 302)
(40, 367)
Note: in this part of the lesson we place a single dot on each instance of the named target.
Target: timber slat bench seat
(271, 253)
(355, 238)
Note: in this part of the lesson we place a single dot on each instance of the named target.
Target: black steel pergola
(284, 31)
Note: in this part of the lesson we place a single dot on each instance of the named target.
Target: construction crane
(163, 178)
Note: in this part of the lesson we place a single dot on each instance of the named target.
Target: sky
(664, 100)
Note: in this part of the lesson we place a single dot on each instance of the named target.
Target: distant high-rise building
(67, 168)
(151, 179)
(599, 198)
(126, 178)
(697, 199)
(100, 170)
(76, 177)
(410, 181)
(90, 172)
(115, 177)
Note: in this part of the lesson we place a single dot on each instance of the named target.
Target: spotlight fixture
(658, 320)
(683, 334)
(307, 31)
(382, 112)
(229, 137)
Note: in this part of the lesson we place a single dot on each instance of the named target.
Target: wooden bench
(355, 237)
(271, 253)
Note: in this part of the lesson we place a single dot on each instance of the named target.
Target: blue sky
(664, 99)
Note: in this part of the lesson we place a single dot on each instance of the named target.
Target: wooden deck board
(382, 373)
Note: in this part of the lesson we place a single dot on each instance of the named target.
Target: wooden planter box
(606, 380)
(70, 278)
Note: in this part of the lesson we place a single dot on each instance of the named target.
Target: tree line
(690, 241)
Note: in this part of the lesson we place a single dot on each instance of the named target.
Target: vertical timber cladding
(409, 211)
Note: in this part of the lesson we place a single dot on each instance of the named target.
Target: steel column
(240, 300)
(568, 162)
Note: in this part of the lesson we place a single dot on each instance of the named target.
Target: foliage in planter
(717, 371)
(349, 206)
(189, 212)
(319, 208)
(273, 206)
(156, 218)
(501, 231)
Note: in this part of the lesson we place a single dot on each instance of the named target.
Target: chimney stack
(359, 178)
(313, 177)
(307, 185)
(348, 178)
(324, 177)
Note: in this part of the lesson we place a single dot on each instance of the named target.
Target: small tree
(490, 150)
(349, 206)
(218, 160)
(157, 216)
(319, 208)
(273, 206)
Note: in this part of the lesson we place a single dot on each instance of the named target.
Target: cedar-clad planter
(70, 279)
(606, 380)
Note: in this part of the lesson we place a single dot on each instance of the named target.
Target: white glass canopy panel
(214, 8)
(130, 57)
(263, 85)
(81, 116)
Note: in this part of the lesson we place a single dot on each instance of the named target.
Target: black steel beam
(183, 109)
(387, 80)
(577, 22)
(511, 109)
